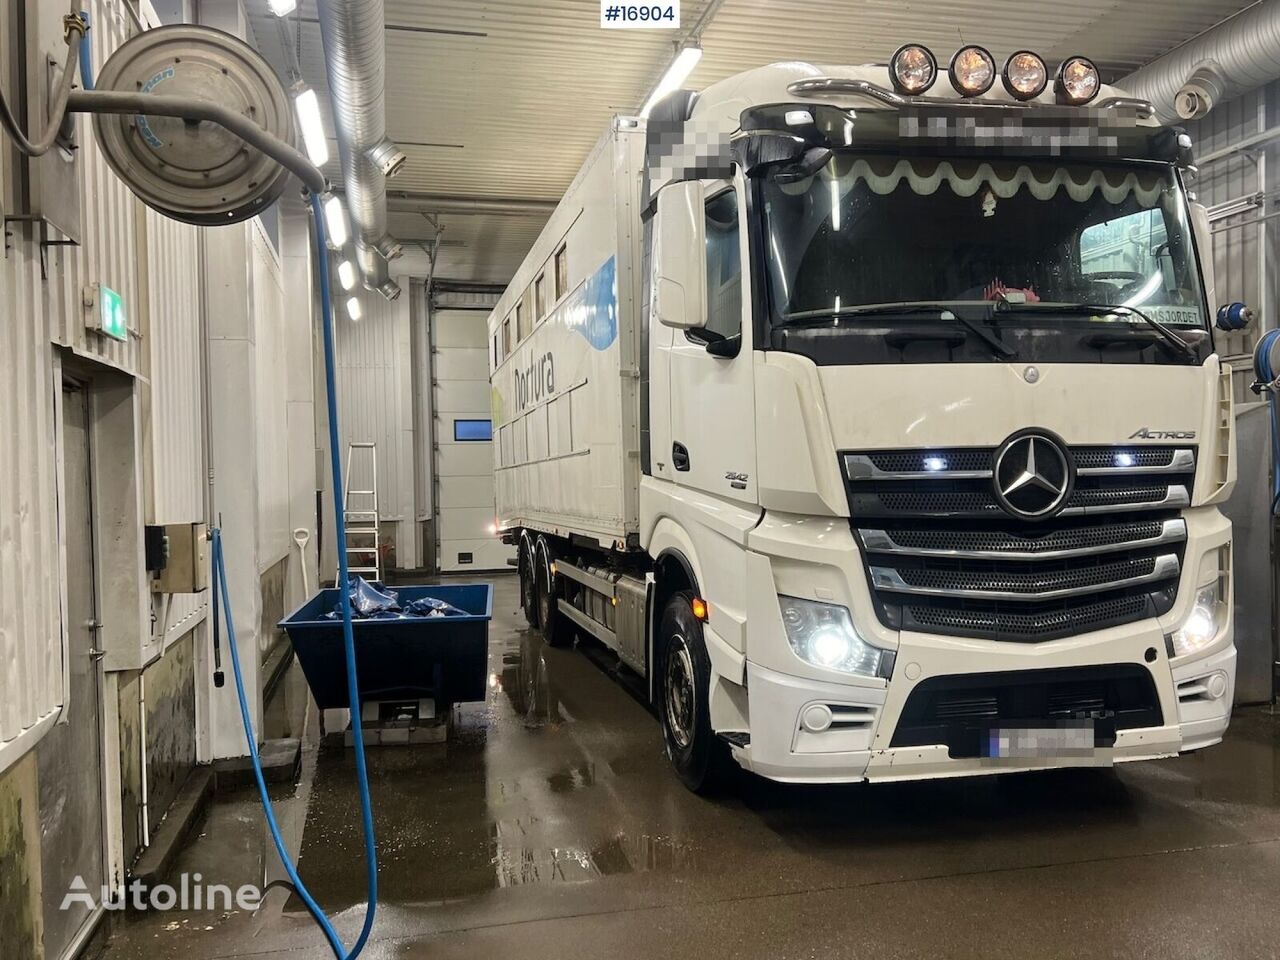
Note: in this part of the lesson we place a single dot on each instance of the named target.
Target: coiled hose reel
(194, 170)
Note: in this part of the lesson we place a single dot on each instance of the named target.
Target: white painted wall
(42, 301)
(464, 489)
(375, 394)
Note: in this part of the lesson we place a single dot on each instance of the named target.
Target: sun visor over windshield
(883, 175)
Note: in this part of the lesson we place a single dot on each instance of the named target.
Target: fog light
(1078, 81)
(816, 717)
(1217, 686)
(1025, 75)
(913, 69)
(973, 71)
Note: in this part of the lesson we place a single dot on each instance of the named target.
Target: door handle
(680, 457)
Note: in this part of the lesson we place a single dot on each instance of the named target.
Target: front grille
(944, 556)
(960, 577)
(998, 542)
(1043, 623)
(949, 710)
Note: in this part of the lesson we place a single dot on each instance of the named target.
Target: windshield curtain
(867, 231)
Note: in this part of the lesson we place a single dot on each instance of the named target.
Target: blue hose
(86, 55)
(1266, 380)
(348, 637)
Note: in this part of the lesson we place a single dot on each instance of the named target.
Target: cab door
(713, 447)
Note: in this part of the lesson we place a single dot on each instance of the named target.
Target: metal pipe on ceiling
(498, 206)
(353, 32)
(1239, 54)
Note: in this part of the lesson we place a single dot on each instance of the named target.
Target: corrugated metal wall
(42, 303)
(1240, 271)
(272, 426)
(376, 404)
(176, 421)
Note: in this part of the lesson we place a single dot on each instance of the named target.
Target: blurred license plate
(1077, 738)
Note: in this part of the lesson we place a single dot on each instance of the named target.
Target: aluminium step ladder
(360, 511)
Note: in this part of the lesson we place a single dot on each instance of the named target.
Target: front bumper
(1195, 709)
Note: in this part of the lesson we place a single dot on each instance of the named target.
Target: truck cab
(932, 436)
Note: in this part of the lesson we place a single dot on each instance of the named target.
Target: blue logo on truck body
(592, 309)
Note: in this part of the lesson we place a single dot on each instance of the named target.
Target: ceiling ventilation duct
(353, 32)
(1237, 55)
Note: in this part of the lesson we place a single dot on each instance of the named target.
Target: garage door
(465, 507)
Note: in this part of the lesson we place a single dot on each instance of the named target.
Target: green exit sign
(112, 320)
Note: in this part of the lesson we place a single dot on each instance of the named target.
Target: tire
(555, 631)
(528, 582)
(700, 758)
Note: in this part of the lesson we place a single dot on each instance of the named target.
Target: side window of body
(724, 268)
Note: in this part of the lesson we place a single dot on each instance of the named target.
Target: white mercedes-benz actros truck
(872, 416)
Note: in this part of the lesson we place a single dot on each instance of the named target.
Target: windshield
(865, 231)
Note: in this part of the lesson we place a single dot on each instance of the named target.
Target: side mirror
(679, 263)
(1204, 247)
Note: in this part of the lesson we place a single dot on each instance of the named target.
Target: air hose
(1266, 368)
(348, 639)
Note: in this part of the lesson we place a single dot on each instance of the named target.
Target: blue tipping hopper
(413, 658)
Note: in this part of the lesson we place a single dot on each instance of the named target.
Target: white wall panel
(42, 304)
(376, 405)
(272, 415)
(176, 422)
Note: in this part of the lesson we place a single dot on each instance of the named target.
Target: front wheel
(700, 758)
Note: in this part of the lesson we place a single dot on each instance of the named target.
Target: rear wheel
(528, 583)
(700, 758)
(550, 621)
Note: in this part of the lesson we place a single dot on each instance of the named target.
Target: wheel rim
(680, 693)
(530, 583)
(544, 600)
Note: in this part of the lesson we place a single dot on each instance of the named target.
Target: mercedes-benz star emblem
(1033, 475)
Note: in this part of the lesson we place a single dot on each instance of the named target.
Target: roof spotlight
(1078, 81)
(913, 69)
(973, 71)
(1025, 75)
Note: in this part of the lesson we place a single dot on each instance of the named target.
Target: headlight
(1078, 81)
(1202, 624)
(822, 634)
(913, 69)
(1025, 75)
(973, 71)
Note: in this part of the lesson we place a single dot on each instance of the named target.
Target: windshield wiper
(931, 311)
(1093, 309)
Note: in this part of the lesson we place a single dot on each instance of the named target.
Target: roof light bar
(1025, 75)
(973, 71)
(913, 69)
(1078, 81)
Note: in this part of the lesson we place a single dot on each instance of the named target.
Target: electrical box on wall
(178, 557)
(52, 193)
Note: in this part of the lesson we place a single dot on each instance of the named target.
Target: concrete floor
(550, 826)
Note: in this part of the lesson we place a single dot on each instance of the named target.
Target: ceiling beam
(469, 206)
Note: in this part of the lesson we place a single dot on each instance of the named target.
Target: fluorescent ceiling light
(307, 105)
(282, 8)
(354, 310)
(676, 75)
(347, 275)
(335, 217)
